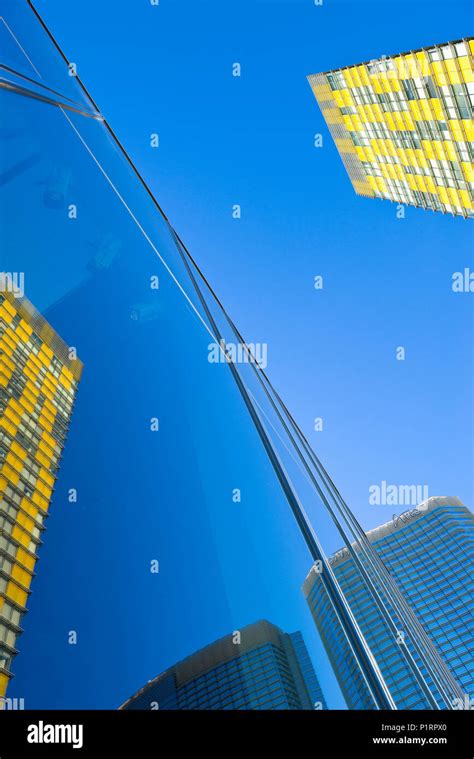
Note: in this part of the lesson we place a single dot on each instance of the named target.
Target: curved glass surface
(186, 508)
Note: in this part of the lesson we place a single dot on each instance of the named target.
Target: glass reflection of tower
(259, 667)
(147, 318)
(429, 551)
(38, 382)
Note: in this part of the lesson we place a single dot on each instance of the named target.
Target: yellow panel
(16, 406)
(18, 450)
(454, 196)
(3, 686)
(364, 75)
(8, 426)
(16, 594)
(450, 151)
(409, 123)
(394, 82)
(420, 183)
(46, 476)
(439, 75)
(43, 489)
(420, 159)
(27, 523)
(11, 475)
(47, 351)
(453, 76)
(349, 78)
(438, 149)
(467, 76)
(376, 84)
(465, 199)
(21, 576)
(456, 130)
(27, 506)
(399, 172)
(65, 381)
(22, 334)
(49, 440)
(356, 77)
(40, 500)
(25, 558)
(363, 188)
(390, 121)
(44, 460)
(12, 416)
(469, 129)
(443, 194)
(430, 185)
(428, 148)
(13, 462)
(385, 83)
(45, 423)
(468, 171)
(26, 327)
(29, 407)
(437, 109)
(7, 306)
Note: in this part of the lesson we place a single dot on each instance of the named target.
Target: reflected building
(429, 552)
(38, 383)
(259, 667)
(95, 243)
(403, 125)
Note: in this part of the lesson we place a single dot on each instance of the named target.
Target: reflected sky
(167, 495)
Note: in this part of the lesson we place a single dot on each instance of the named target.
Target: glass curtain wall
(188, 504)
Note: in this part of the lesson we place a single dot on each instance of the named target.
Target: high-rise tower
(38, 382)
(403, 125)
(429, 552)
(259, 667)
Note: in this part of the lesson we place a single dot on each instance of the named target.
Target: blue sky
(387, 283)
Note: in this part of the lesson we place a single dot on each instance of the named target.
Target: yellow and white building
(403, 125)
(38, 383)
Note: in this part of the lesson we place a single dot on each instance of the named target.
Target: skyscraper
(429, 552)
(38, 382)
(259, 668)
(403, 125)
(147, 316)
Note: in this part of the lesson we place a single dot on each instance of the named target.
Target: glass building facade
(259, 667)
(195, 486)
(403, 125)
(38, 383)
(429, 552)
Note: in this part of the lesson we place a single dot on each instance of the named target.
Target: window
(409, 89)
(336, 81)
(461, 101)
(429, 84)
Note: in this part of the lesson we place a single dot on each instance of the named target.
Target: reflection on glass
(258, 667)
(188, 502)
